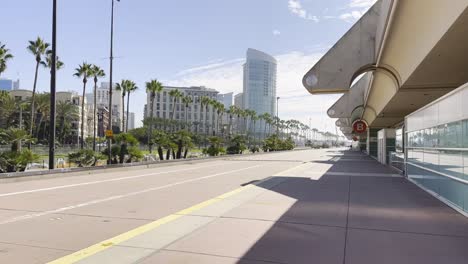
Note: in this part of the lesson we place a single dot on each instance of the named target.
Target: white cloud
(296, 8)
(362, 3)
(356, 9)
(295, 101)
(276, 32)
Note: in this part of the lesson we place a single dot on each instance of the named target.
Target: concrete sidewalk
(344, 209)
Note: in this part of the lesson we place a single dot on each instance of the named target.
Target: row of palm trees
(246, 119)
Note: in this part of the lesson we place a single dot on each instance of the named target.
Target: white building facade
(199, 119)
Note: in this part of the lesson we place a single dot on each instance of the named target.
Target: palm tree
(42, 111)
(153, 87)
(123, 87)
(97, 73)
(204, 102)
(83, 71)
(5, 56)
(47, 63)
(132, 87)
(15, 137)
(38, 48)
(186, 100)
(67, 113)
(174, 94)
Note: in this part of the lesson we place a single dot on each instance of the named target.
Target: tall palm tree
(5, 56)
(132, 87)
(153, 87)
(83, 71)
(47, 62)
(186, 100)
(97, 73)
(42, 111)
(123, 87)
(174, 94)
(38, 48)
(204, 102)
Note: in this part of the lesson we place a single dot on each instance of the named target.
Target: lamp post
(53, 72)
(111, 58)
(277, 115)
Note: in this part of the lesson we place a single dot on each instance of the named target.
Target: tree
(66, 113)
(38, 48)
(47, 62)
(132, 87)
(83, 71)
(174, 94)
(123, 87)
(97, 73)
(5, 56)
(42, 111)
(205, 102)
(187, 100)
(153, 87)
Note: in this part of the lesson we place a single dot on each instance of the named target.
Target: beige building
(72, 97)
(199, 118)
(102, 100)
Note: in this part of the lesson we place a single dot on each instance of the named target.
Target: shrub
(16, 161)
(237, 145)
(84, 158)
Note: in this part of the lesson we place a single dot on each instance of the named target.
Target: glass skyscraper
(260, 83)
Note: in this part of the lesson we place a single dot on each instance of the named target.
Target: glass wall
(437, 148)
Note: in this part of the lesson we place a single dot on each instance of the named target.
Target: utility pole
(53, 72)
(111, 58)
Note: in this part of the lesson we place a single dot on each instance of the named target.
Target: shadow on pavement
(350, 219)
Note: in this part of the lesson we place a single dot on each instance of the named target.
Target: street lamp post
(277, 115)
(111, 58)
(53, 72)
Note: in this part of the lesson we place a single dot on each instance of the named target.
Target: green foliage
(273, 143)
(254, 149)
(15, 137)
(215, 148)
(84, 158)
(126, 138)
(16, 161)
(134, 154)
(237, 145)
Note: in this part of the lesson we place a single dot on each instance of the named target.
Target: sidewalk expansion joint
(222, 256)
(34, 246)
(408, 232)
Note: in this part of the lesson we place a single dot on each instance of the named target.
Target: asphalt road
(45, 219)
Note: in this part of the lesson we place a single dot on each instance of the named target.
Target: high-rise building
(9, 85)
(131, 120)
(201, 120)
(226, 99)
(260, 83)
(102, 98)
(239, 100)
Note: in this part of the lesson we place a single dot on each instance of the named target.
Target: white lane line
(111, 198)
(101, 181)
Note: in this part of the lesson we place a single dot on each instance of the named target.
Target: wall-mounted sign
(359, 127)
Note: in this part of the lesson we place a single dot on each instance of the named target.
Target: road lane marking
(106, 244)
(101, 181)
(115, 197)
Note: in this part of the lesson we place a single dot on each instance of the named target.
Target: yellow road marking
(101, 246)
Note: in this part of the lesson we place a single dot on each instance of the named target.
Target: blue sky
(185, 42)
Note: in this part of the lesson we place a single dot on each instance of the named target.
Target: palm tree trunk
(83, 115)
(33, 97)
(123, 112)
(94, 115)
(150, 133)
(128, 112)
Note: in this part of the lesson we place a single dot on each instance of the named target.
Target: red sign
(359, 127)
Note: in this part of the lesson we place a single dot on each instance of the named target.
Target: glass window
(450, 135)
